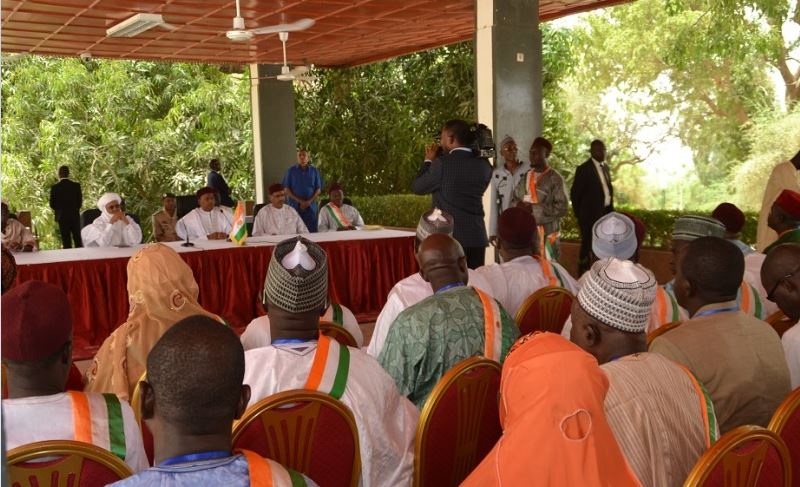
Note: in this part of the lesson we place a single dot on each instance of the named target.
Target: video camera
(483, 142)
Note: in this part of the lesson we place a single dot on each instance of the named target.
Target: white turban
(106, 199)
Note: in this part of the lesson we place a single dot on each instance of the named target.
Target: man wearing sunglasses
(780, 274)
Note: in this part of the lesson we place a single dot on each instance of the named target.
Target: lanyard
(449, 286)
(196, 457)
(710, 312)
(288, 341)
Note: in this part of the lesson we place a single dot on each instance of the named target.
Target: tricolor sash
(330, 368)
(749, 301)
(492, 327)
(262, 474)
(109, 434)
(706, 408)
(547, 243)
(337, 215)
(552, 274)
(337, 314)
(668, 310)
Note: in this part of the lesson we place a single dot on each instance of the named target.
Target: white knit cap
(619, 294)
(614, 235)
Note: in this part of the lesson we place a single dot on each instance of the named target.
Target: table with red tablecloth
(363, 267)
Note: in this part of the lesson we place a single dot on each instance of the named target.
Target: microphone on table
(187, 243)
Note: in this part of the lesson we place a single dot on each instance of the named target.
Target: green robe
(791, 236)
(429, 338)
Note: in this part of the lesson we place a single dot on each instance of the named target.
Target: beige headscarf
(161, 292)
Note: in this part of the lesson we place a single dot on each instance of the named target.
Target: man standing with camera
(457, 179)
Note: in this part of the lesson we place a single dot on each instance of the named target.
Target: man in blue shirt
(303, 184)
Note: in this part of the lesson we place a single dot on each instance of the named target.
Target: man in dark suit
(66, 200)
(592, 196)
(217, 181)
(457, 179)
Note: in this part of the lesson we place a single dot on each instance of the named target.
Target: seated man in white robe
(257, 333)
(336, 215)
(208, 222)
(113, 228)
(296, 293)
(277, 218)
(522, 271)
(37, 354)
(16, 236)
(781, 275)
(414, 288)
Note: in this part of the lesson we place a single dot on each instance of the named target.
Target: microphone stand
(230, 223)
(187, 243)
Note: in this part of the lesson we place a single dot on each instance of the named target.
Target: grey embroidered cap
(614, 235)
(434, 221)
(692, 227)
(297, 277)
(619, 294)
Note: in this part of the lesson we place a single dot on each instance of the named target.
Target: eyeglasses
(113, 207)
(771, 293)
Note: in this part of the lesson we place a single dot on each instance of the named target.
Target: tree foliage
(136, 128)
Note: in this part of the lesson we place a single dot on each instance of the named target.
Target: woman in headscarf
(113, 227)
(555, 431)
(161, 292)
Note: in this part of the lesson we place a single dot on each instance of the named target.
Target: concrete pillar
(274, 142)
(508, 75)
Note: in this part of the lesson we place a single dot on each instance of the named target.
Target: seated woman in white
(113, 227)
(208, 222)
(278, 218)
(337, 216)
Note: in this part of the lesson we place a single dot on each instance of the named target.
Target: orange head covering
(161, 292)
(554, 426)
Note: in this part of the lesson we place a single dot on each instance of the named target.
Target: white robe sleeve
(225, 219)
(132, 233)
(260, 223)
(300, 226)
(97, 234)
(191, 223)
(357, 222)
(324, 224)
(393, 307)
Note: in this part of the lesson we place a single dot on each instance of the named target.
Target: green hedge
(403, 210)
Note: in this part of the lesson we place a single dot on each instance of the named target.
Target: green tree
(136, 128)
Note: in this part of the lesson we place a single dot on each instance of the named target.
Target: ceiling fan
(291, 74)
(240, 34)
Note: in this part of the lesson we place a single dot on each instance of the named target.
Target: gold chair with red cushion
(459, 423)
(545, 310)
(306, 431)
(786, 423)
(661, 330)
(136, 405)
(67, 463)
(338, 333)
(747, 456)
(780, 322)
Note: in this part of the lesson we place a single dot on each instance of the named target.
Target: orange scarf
(552, 395)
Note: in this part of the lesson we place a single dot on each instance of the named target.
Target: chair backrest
(780, 322)
(747, 456)
(89, 216)
(459, 423)
(661, 330)
(306, 431)
(185, 203)
(545, 310)
(786, 423)
(69, 463)
(136, 405)
(338, 333)
(257, 208)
